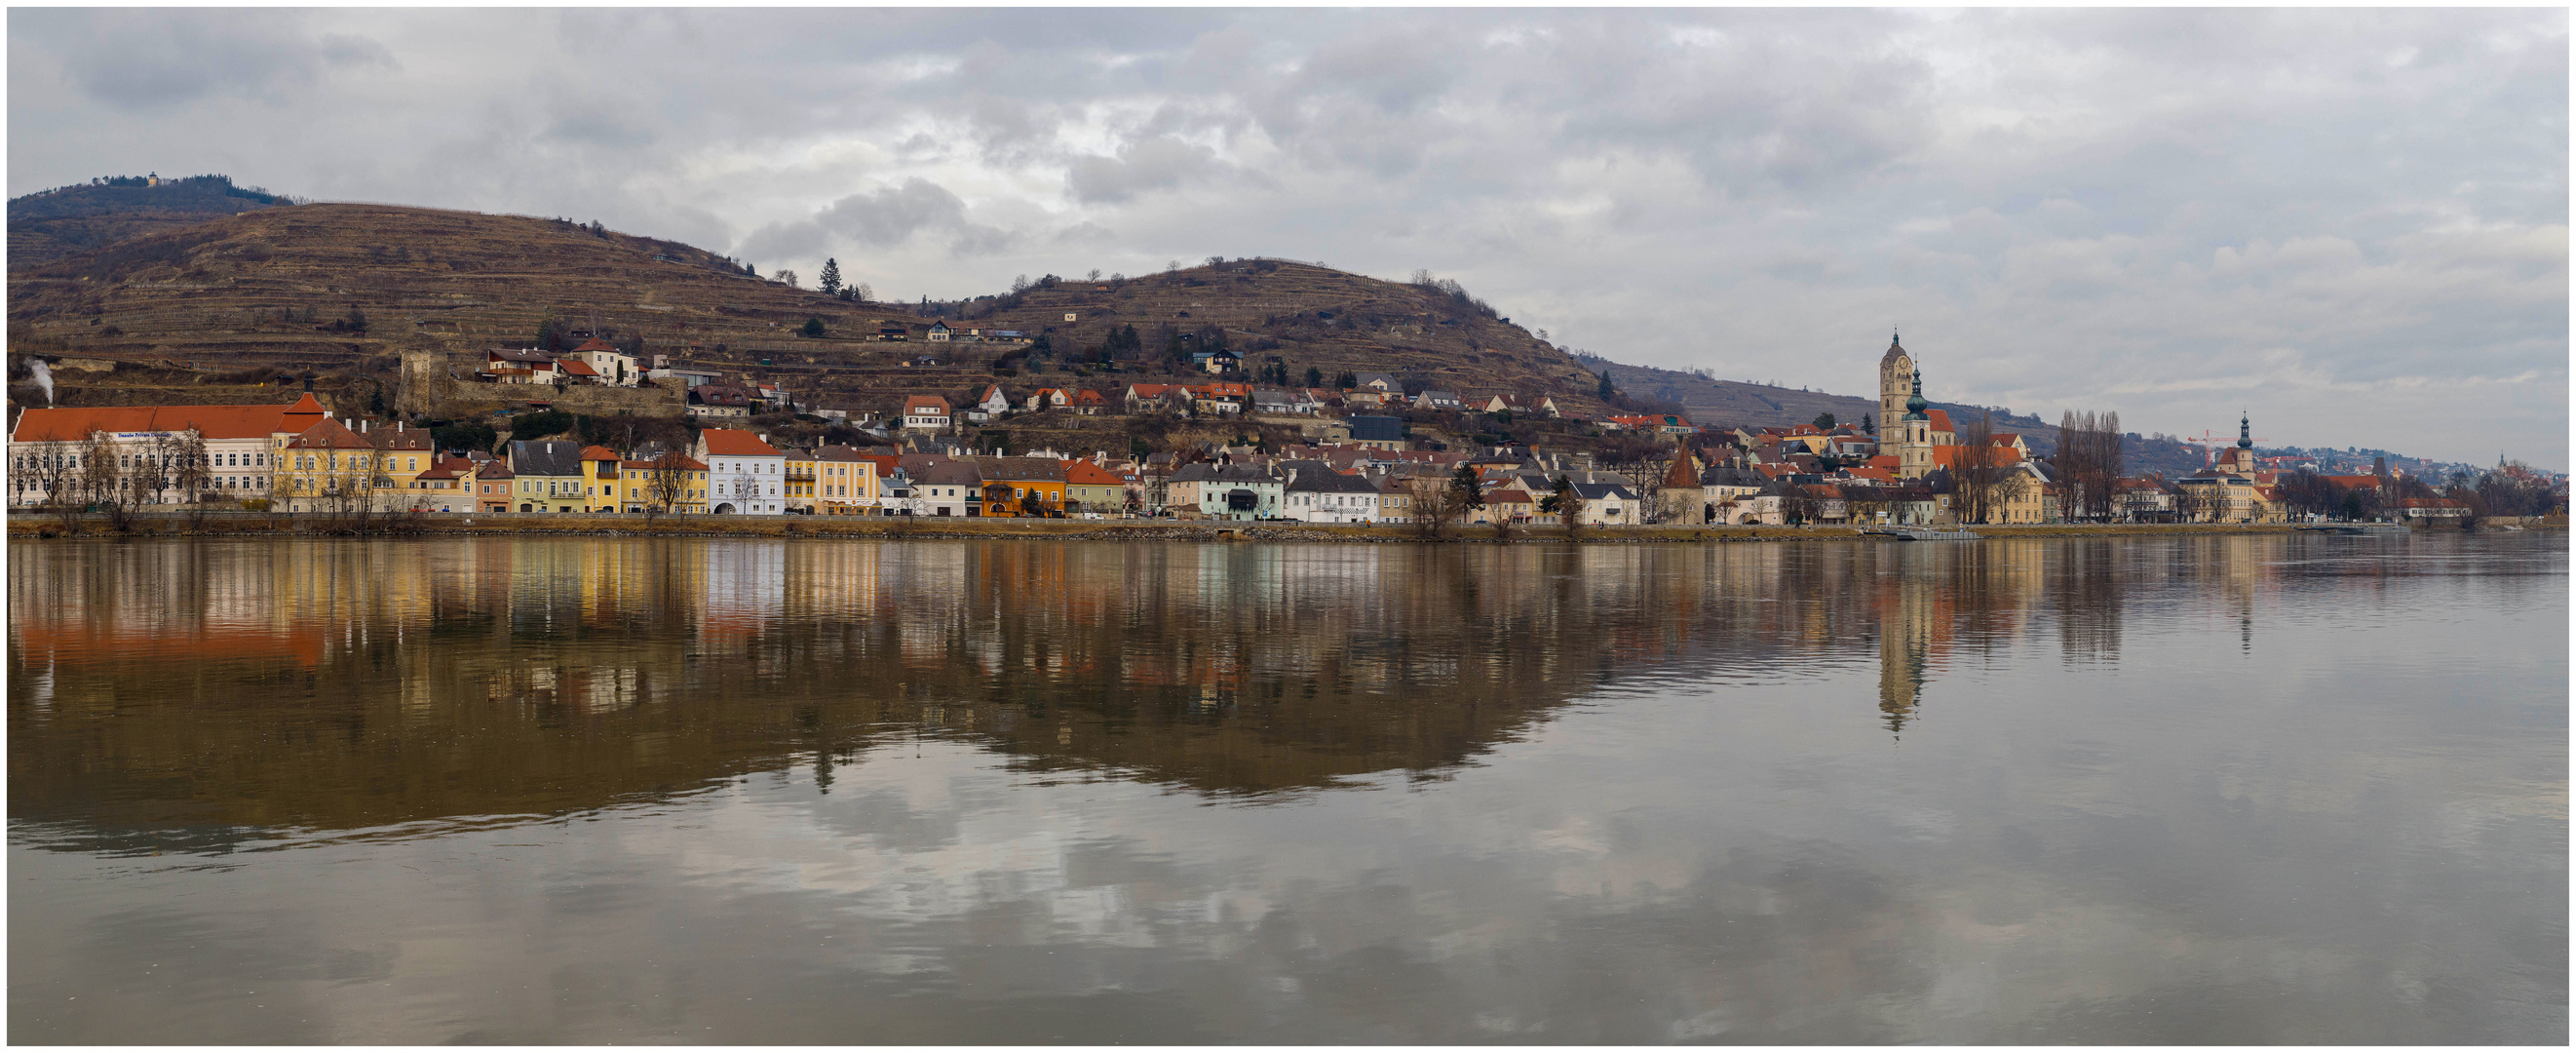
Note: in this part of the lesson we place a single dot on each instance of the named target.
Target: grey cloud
(890, 215)
(1146, 165)
(159, 58)
(2012, 184)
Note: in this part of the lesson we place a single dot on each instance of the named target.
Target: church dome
(1895, 350)
(1914, 404)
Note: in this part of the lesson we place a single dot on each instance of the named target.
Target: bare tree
(103, 480)
(1435, 505)
(1977, 472)
(2088, 461)
(57, 473)
(666, 483)
(193, 469)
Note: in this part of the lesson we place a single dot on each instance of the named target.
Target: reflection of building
(1905, 628)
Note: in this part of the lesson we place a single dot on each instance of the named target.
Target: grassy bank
(514, 525)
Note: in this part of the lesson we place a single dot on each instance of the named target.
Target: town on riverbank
(1366, 458)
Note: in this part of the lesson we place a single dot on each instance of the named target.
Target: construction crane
(2210, 442)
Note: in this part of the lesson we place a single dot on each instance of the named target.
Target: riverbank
(522, 525)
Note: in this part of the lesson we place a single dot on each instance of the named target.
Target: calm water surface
(2207, 790)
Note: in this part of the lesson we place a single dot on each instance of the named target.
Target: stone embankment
(263, 524)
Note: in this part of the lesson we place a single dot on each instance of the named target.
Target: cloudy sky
(2351, 223)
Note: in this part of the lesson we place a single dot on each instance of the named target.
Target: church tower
(1893, 369)
(2240, 460)
(1914, 439)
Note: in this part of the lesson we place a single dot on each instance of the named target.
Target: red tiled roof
(1088, 397)
(925, 404)
(329, 435)
(579, 368)
(66, 423)
(594, 344)
(1940, 420)
(599, 453)
(728, 442)
(1085, 473)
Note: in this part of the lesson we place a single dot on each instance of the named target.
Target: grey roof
(1244, 473)
(1603, 491)
(1194, 473)
(946, 471)
(1438, 396)
(1728, 475)
(1365, 379)
(1270, 395)
(1377, 429)
(1022, 469)
(1319, 477)
(545, 457)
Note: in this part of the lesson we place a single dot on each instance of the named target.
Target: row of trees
(2087, 462)
(1439, 504)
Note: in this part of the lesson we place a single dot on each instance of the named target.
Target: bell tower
(1894, 369)
(1914, 442)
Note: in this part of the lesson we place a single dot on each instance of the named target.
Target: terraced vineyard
(220, 306)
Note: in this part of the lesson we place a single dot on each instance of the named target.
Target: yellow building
(404, 453)
(642, 479)
(327, 468)
(604, 486)
(845, 482)
(798, 490)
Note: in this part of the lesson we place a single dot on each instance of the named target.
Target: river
(2225, 789)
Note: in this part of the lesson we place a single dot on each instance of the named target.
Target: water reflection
(339, 686)
(949, 791)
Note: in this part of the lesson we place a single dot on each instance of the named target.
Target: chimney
(308, 383)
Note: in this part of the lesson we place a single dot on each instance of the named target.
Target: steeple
(2244, 432)
(1914, 405)
(1895, 349)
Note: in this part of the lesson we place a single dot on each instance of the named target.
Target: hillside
(1729, 402)
(51, 224)
(250, 296)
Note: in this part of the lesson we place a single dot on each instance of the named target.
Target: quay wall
(450, 524)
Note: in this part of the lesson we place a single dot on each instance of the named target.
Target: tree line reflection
(215, 694)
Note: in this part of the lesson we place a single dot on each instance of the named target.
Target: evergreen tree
(813, 327)
(547, 333)
(1314, 377)
(830, 282)
(1824, 422)
(1866, 427)
(1606, 389)
(1471, 491)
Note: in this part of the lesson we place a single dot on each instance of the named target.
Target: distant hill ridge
(49, 224)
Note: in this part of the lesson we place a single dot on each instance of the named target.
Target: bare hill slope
(252, 295)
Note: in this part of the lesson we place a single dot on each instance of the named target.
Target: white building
(926, 413)
(1317, 494)
(745, 474)
(241, 444)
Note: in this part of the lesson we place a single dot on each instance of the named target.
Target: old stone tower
(1895, 384)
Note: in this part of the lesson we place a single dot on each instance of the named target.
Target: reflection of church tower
(1914, 436)
(1894, 368)
(1904, 641)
